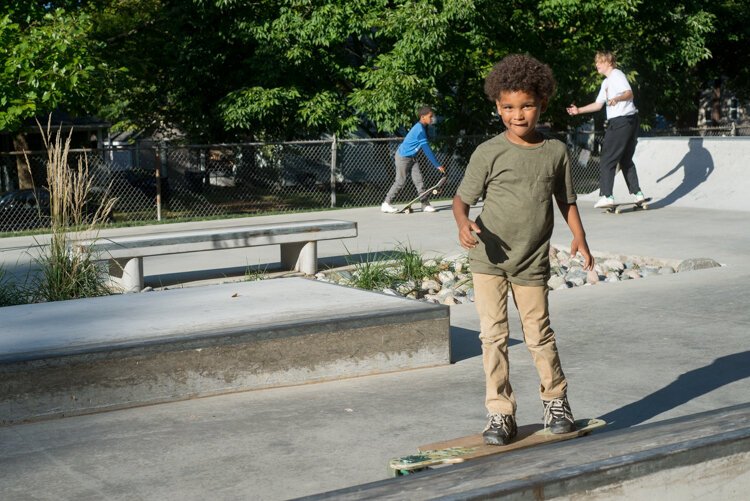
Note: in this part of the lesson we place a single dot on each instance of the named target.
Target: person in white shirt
(621, 134)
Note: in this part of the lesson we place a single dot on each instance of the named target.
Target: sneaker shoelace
(500, 421)
(558, 408)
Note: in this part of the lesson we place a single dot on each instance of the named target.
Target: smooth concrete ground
(634, 352)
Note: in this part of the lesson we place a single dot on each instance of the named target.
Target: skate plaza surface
(663, 360)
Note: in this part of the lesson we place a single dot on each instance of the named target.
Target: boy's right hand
(465, 234)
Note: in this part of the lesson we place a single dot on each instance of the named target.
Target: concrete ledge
(709, 452)
(76, 357)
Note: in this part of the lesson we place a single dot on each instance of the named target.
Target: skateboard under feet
(618, 208)
(466, 448)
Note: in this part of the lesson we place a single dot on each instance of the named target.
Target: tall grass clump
(372, 275)
(256, 273)
(411, 264)
(392, 270)
(66, 274)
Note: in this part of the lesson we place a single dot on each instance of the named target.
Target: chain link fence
(176, 183)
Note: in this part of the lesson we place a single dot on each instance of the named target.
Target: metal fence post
(161, 174)
(334, 148)
(160, 159)
(202, 165)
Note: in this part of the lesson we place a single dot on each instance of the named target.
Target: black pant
(620, 139)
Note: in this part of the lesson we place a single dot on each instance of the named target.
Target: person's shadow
(687, 386)
(697, 163)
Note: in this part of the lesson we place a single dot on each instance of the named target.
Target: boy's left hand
(583, 248)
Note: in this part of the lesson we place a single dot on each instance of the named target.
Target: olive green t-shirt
(517, 184)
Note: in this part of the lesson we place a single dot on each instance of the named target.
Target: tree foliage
(279, 69)
(47, 60)
(728, 43)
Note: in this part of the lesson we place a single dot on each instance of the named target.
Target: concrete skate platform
(76, 357)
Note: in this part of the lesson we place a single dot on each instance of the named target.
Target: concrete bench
(298, 242)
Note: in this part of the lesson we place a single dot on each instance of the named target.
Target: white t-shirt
(612, 86)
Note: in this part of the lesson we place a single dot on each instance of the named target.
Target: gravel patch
(452, 283)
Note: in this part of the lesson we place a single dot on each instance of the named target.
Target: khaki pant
(491, 298)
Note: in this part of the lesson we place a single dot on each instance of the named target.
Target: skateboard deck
(618, 208)
(432, 189)
(466, 448)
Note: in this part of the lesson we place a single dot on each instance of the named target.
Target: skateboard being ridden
(463, 449)
(432, 190)
(617, 208)
(407, 164)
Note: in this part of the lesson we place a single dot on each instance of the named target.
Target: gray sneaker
(558, 416)
(500, 429)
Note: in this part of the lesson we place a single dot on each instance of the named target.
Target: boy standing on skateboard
(621, 135)
(517, 173)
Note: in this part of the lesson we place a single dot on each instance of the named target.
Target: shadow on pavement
(465, 344)
(686, 387)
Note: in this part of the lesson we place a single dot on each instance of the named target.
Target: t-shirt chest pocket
(543, 188)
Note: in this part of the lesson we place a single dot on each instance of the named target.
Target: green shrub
(67, 275)
(372, 275)
(411, 264)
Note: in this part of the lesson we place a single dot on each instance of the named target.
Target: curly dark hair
(520, 72)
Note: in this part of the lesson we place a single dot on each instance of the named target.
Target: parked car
(30, 208)
(136, 189)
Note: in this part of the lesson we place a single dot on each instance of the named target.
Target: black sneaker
(500, 429)
(557, 415)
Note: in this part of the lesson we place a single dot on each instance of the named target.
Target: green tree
(281, 69)
(47, 63)
(223, 70)
(729, 66)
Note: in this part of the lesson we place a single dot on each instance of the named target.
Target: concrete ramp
(699, 172)
(74, 357)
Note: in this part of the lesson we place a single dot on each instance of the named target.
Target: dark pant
(403, 166)
(620, 139)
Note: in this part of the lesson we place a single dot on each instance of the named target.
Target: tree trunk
(25, 178)
(716, 103)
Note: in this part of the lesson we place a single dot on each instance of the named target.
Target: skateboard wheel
(393, 472)
(434, 192)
